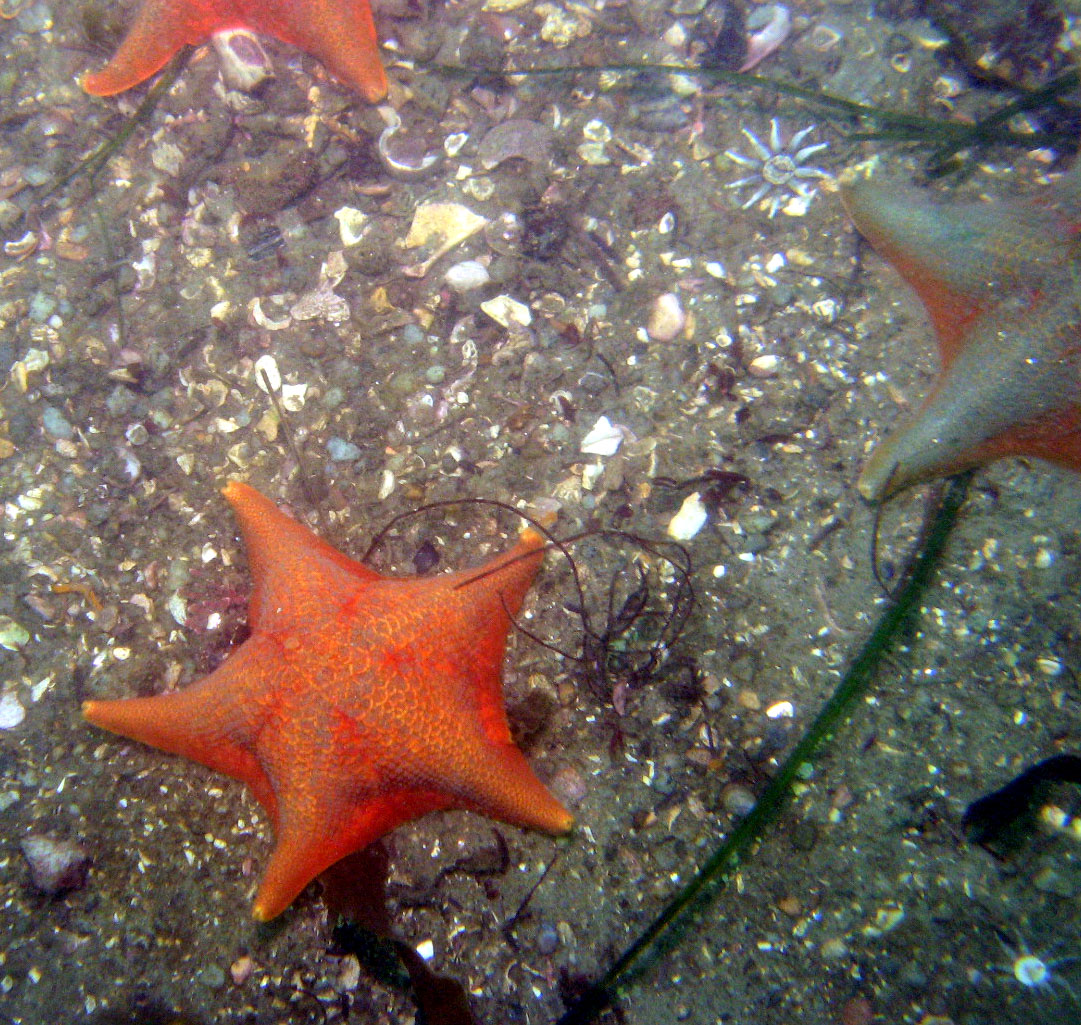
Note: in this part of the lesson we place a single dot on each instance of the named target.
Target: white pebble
(690, 519)
(467, 275)
(506, 311)
(11, 711)
(781, 710)
(764, 366)
(667, 318)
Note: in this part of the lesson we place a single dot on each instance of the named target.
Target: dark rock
(56, 866)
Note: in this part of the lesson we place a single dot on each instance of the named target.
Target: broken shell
(293, 396)
(506, 311)
(352, 224)
(443, 226)
(321, 301)
(244, 62)
(255, 308)
(396, 167)
(603, 440)
(764, 366)
(23, 246)
(690, 518)
(667, 318)
(518, 138)
(454, 143)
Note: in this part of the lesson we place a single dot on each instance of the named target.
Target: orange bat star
(358, 702)
(340, 33)
(1000, 284)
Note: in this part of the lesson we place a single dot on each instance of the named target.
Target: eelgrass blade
(664, 932)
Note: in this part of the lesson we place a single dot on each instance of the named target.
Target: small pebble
(425, 558)
(137, 435)
(857, 1011)
(412, 334)
(690, 518)
(56, 866)
(737, 799)
(349, 976)
(467, 275)
(547, 938)
(55, 423)
(13, 635)
(666, 319)
(12, 712)
(212, 976)
(240, 970)
(342, 451)
(833, 949)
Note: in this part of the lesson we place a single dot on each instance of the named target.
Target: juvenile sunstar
(358, 702)
(339, 33)
(1001, 283)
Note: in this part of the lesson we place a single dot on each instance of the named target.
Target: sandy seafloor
(131, 334)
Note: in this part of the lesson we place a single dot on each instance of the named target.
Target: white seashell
(506, 311)
(690, 518)
(467, 275)
(441, 226)
(666, 319)
(255, 307)
(11, 711)
(764, 366)
(243, 61)
(781, 710)
(453, 143)
(167, 158)
(352, 224)
(603, 440)
(266, 373)
(293, 396)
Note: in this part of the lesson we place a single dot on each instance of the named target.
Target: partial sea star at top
(1001, 283)
(340, 33)
(358, 702)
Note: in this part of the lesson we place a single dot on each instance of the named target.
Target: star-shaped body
(339, 33)
(358, 702)
(1001, 283)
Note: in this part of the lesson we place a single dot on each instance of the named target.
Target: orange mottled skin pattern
(358, 702)
(338, 33)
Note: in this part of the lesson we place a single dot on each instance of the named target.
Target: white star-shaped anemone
(779, 174)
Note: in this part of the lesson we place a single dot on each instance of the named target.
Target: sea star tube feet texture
(358, 702)
(339, 33)
(1001, 283)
